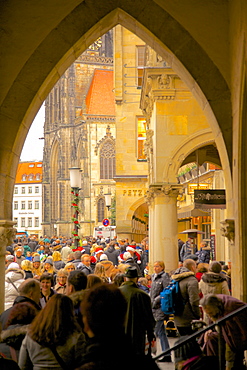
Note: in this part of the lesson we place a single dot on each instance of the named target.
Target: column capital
(7, 234)
(162, 189)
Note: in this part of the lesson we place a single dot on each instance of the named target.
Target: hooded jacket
(204, 254)
(188, 285)
(112, 254)
(213, 283)
(13, 279)
(12, 336)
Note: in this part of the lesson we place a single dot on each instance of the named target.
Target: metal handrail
(217, 324)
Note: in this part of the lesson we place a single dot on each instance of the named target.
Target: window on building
(30, 204)
(31, 165)
(23, 190)
(107, 161)
(24, 177)
(36, 221)
(39, 165)
(38, 176)
(16, 190)
(141, 138)
(30, 190)
(30, 177)
(140, 64)
(29, 221)
(36, 204)
(23, 204)
(16, 221)
(101, 209)
(23, 222)
(36, 189)
(15, 205)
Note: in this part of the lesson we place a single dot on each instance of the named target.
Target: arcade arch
(72, 28)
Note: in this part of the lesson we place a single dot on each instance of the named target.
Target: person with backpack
(188, 287)
(160, 279)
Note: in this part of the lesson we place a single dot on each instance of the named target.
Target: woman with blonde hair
(100, 271)
(27, 267)
(69, 267)
(62, 276)
(57, 260)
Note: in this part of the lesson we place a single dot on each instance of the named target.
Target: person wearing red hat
(134, 254)
(97, 253)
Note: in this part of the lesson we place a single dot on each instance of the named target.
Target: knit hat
(10, 257)
(13, 265)
(103, 257)
(187, 350)
(36, 259)
(48, 260)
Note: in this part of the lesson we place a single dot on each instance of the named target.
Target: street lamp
(75, 183)
(108, 200)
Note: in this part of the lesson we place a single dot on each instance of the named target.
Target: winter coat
(112, 254)
(13, 279)
(204, 254)
(159, 282)
(234, 331)
(99, 355)
(87, 270)
(59, 265)
(213, 283)
(60, 289)
(188, 286)
(37, 357)
(139, 318)
(20, 299)
(12, 336)
(77, 298)
(187, 249)
(109, 268)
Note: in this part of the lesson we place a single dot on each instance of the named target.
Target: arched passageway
(40, 42)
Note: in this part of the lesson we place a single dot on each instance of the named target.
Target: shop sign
(200, 186)
(210, 199)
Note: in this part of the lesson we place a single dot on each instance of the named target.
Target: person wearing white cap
(8, 260)
(14, 276)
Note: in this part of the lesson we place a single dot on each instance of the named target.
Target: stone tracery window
(107, 160)
(101, 210)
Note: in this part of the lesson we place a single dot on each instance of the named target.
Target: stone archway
(42, 40)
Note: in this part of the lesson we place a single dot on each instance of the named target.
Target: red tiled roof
(29, 168)
(100, 97)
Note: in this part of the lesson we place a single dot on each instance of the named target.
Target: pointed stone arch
(50, 51)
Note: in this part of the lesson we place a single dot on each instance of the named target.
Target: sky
(33, 146)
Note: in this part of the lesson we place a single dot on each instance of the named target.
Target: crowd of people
(76, 308)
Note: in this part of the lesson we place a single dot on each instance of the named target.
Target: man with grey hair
(188, 286)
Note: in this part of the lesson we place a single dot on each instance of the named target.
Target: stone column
(7, 234)
(163, 233)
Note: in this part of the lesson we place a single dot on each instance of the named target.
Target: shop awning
(191, 211)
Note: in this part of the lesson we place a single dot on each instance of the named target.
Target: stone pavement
(166, 365)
